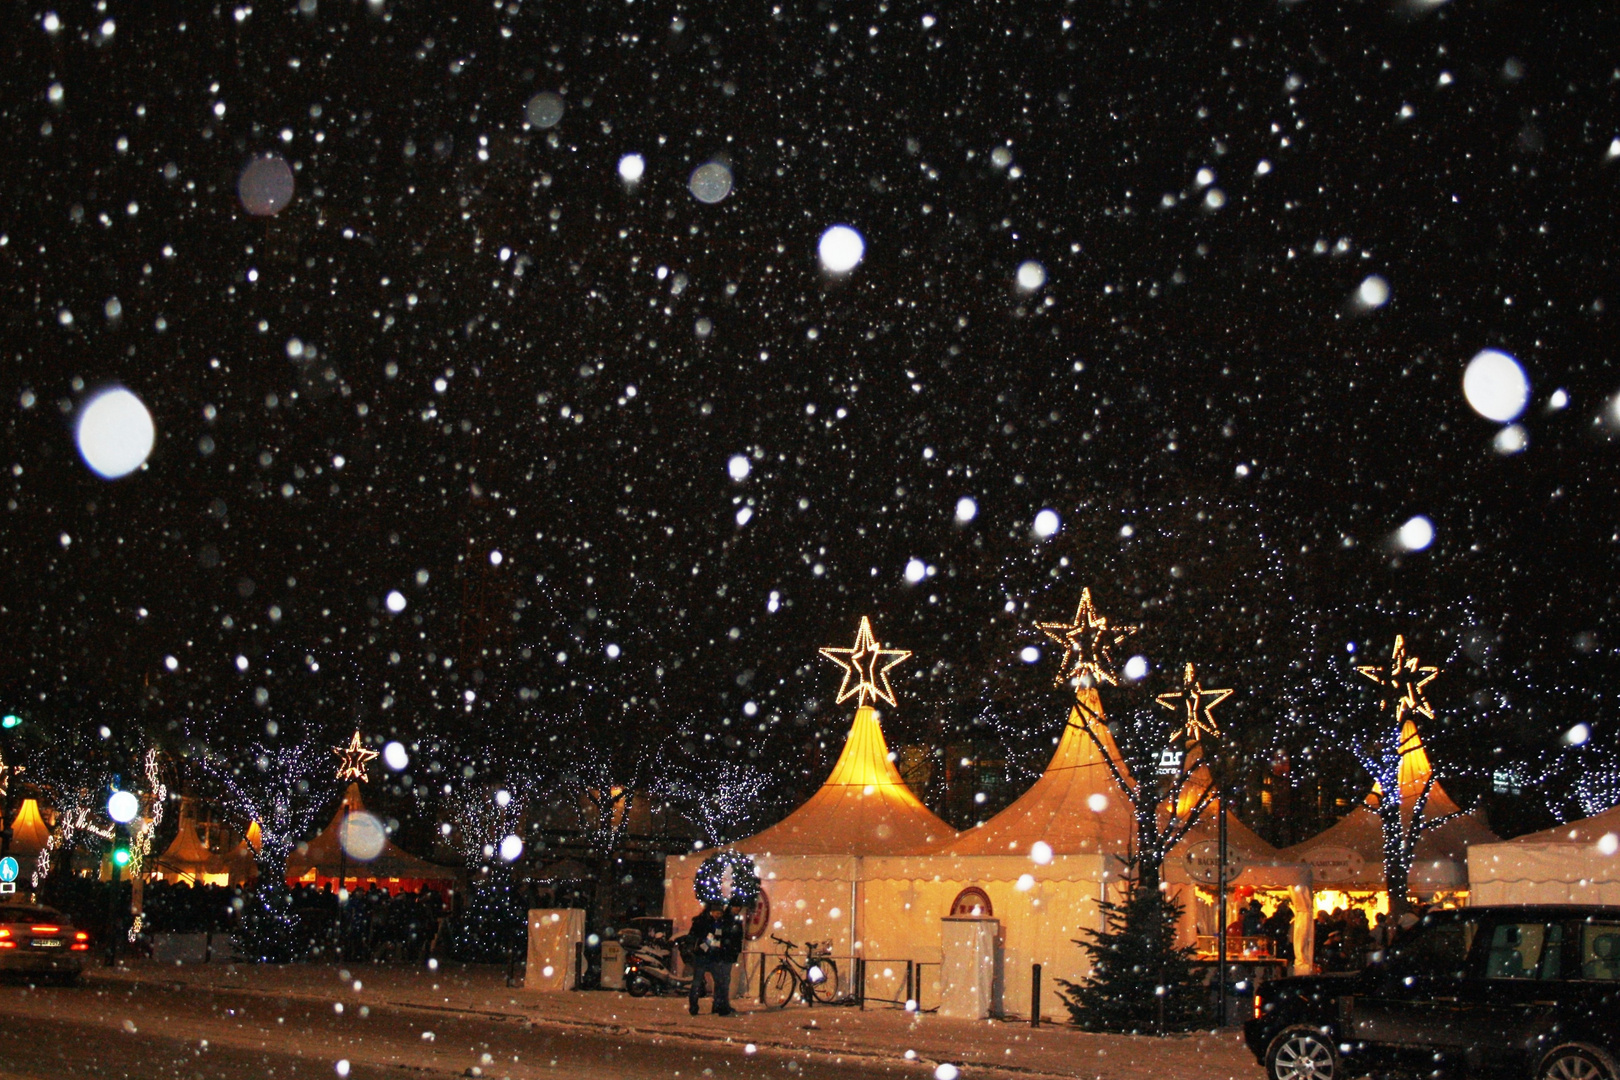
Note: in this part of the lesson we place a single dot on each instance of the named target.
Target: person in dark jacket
(1280, 928)
(733, 929)
(708, 958)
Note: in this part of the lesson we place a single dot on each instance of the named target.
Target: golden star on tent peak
(867, 666)
(1194, 702)
(352, 759)
(1405, 678)
(1086, 643)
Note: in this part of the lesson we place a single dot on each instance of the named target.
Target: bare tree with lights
(1385, 749)
(1154, 756)
(487, 825)
(283, 786)
(722, 797)
(603, 773)
(1140, 979)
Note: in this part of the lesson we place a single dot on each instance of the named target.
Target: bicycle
(814, 980)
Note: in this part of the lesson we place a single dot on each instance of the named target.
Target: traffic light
(10, 720)
(120, 854)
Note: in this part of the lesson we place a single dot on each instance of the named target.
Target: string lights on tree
(1144, 751)
(866, 667)
(283, 787)
(1139, 976)
(1383, 749)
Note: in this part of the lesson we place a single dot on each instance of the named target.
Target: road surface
(109, 1031)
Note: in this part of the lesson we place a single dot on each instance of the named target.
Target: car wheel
(1303, 1053)
(1573, 1062)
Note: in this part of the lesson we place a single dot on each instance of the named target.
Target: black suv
(1525, 991)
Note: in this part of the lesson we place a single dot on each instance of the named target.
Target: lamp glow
(123, 806)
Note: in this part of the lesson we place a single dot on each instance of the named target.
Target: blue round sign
(8, 869)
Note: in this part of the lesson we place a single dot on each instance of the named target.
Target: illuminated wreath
(708, 884)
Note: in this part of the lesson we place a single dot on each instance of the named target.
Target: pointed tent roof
(1440, 853)
(326, 856)
(1075, 806)
(864, 808)
(28, 830)
(1414, 772)
(187, 854)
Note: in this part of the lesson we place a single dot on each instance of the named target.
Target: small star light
(867, 666)
(1405, 678)
(352, 759)
(1194, 702)
(1086, 643)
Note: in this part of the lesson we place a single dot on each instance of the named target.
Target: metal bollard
(1035, 996)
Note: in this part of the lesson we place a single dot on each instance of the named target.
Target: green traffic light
(10, 720)
(120, 856)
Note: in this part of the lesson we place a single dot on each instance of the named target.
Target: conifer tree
(1140, 981)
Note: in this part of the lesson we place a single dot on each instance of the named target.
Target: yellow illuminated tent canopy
(864, 808)
(1075, 807)
(323, 857)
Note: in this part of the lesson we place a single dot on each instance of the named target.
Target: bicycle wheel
(780, 986)
(825, 988)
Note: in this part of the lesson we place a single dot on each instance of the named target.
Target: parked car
(1520, 991)
(41, 942)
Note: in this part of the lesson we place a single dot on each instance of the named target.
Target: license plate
(47, 943)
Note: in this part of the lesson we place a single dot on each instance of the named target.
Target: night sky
(466, 335)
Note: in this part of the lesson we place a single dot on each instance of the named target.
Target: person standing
(708, 958)
(1280, 926)
(733, 929)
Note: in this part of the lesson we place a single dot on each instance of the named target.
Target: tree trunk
(1397, 860)
(606, 890)
(1149, 853)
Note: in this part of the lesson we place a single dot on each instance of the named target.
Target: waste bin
(612, 965)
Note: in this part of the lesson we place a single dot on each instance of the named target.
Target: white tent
(324, 858)
(1578, 863)
(28, 835)
(1349, 855)
(191, 855)
(812, 862)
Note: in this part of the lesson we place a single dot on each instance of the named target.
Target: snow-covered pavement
(823, 1040)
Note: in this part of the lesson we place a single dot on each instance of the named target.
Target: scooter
(647, 971)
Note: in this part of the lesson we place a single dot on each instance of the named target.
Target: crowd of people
(1277, 927)
(371, 924)
(1347, 941)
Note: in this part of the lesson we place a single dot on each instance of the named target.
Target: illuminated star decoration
(1405, 678)
(1194, 702)
(866, 666)
(352, 759)
(1086, 643)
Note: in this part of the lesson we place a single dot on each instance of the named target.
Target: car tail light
(1259, 1007)
(45, 929)
(81, 936)
(80, 947)
(5, 939)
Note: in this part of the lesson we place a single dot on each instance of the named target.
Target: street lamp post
(122, 808)
(1220, 929)
(8, 723)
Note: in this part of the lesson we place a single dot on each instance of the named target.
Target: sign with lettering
(1332, 865)
(1204, 862)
